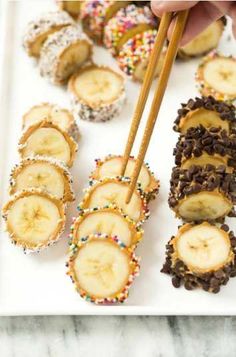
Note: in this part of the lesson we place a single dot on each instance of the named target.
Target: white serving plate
(37, 284)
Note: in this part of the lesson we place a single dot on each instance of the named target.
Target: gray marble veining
(118, 336)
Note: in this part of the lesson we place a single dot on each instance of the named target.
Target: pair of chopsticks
(171, 53)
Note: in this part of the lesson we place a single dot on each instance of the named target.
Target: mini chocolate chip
(197, 152)
(207, 141)
(166, 269)
(219, 274)
(233, 242)
(191, 104)
(225, 281)
(233, 274)
(225, 227)
(214, 282)
(209, 167)
(205, 286)
(188, 285)
(176, 281)
(216, 290)
(214, 130)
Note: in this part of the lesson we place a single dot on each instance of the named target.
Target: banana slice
(34, 219)
(201, 193)
(47, 139)
(43, 173)
(205, 111)
(95, 15)
(98, 93)
(109, 221)
(111, 167)
(63, 53)
(38, 30)
(134, 56)
(204, 42)
(127, 23)
(216, 76)
(102, 269)
(51, 112)
(72, 7)
(114, 191)
(200, 146)
(201, 256)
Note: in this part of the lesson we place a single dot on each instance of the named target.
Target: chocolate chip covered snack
(200, 146)
(205, 111)
(202, 193)
(201, 256)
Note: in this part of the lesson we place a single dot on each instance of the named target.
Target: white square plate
(37, 284)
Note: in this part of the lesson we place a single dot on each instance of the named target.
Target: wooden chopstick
(158, 96)
(147, 82)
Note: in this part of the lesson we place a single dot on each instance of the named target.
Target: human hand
(201, 15)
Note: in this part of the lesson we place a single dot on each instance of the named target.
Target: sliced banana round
(206, 41)
(63, 53)
(201, 256)
(102, 269)
(134, 55)
(216, 76)
(43, 173)
(98, 93)
(38, 30)
(51, 112)
(34, 219)
(205, 111)
(72, 7)
(199, 146)
(47, 139)
(114, 191)
(111, 167)
(110, 221)
(95, 14)
(202, 193)
(127, 23)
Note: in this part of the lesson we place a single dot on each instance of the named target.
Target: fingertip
(157, 7)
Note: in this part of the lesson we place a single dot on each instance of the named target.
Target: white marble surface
(117, 336)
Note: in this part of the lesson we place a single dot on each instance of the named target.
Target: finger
(200, 17)
(229, 8)
(159, 7)
(233, 15)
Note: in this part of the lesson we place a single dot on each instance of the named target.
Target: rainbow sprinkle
(125, 20)
(136, 50)
(94, 14)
